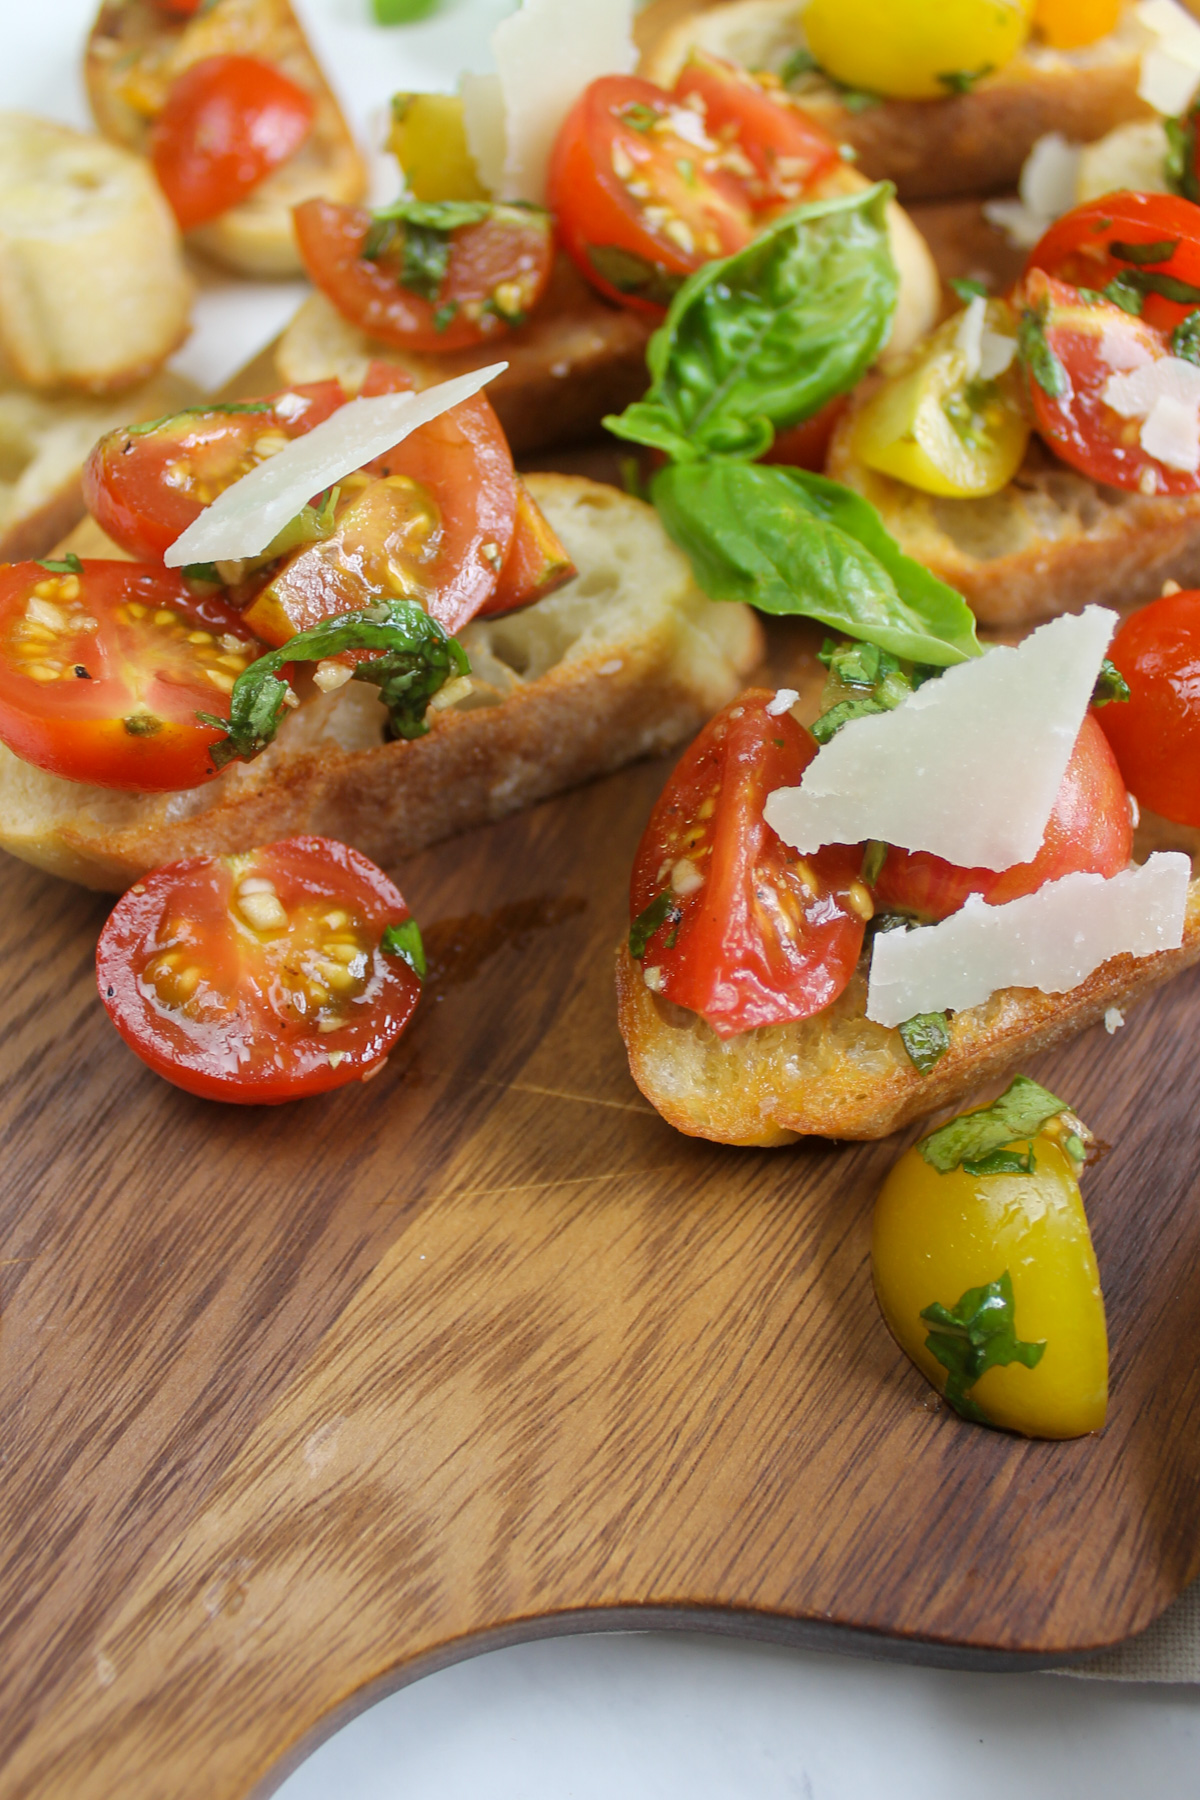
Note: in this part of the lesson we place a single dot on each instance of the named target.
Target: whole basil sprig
(758, 341)
(418, 659)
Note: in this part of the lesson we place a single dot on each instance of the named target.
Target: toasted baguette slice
(624, 661)
(1052, 541)
(965, 144)
(44, 443)
(837, 1075)
(134, 53)
(578, 358)
(93, 292)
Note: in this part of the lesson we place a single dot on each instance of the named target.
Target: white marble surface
(645, 1717)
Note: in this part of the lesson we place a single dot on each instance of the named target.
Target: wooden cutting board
(299, 1403)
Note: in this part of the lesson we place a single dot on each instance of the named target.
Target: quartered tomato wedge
(1090, 342)
(431, 521)
(145, 484)
(756, 116)
(1156, 733)
(1150, 243)
(228, 121)
(102, 673)
(1089, 830)
(497, 272)
(643, 193)
(262, 977)
(743, 931)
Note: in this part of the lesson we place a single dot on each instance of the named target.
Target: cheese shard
(242, 521)
(1170, 67)
(546, 54)
(969, 767)
(1052, 939)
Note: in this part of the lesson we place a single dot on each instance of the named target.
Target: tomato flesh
(144, 488)
(102, 673)
(755, 935)
(259, 978)
(1156, 733)
(1083, 249)
(756, 116)
(1089, 829)
(497, 273)
(228, 121)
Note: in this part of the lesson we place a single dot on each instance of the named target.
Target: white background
(645, 1717)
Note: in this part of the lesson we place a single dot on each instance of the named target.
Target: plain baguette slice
(134, 54)
(965, 144)
(93, 292)
(1052, 541)
(837, 1075)
(625, 661)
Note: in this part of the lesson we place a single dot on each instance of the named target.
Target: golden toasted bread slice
(837, 1075)
(135, 52)
(624, 661)
(1052, 541)
(93, 292)
(965, 144)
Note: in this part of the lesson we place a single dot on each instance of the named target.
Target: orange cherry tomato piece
(262, 977)
(228, 121)
(751, 933)
(102, 673)
(1089, 829)
(497, 273)
(146, 486)
(1156, 733)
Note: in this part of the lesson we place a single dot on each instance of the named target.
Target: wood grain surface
(298, 1402)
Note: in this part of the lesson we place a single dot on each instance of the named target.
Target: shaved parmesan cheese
(968, 339)
(1133, 156)
(996, 352)
(546, 54)
(785, 699)
(483, 122)
(242, 521)
(1047, 182)
(969, 767)
(1171, 66)
(1020, 226)
(1163, 391)
(1052, 940)
(1171, 434)
(1121, 351)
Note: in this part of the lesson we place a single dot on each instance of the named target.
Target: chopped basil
(445, 315)
(1017, 1115)
(1185, 339)
(405, 942)
(800, 62)
(1037, 355)
(977, 1334)
(856, 100)
(418, 659)
(1110, 685)
(1002, 1162)
(1144, 253)
(661, 909)
(632, 274)
(205, 572)
(926, 1037)
(874, 857)
(66, 565)
(1134, 284)
(639, 117)
(310, 525)
(1123, 291)
(969, 289)
(961, 81)
(212, 408)
(1179, 166)
(420, 231)
(142, 725)
(880, 683)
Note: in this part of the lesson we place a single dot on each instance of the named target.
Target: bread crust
(134, 54)
(625, 661)
(965, 144)
(578, 358)
(839, 1076)
(1053, 541)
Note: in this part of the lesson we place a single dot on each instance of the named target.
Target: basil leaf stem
(977, 1334)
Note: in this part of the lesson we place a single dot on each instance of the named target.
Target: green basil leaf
(405, 942)
(977, 1334)
(1185, 339)
(1002, 1162)
(434, 215)
(1125, 291)
(1037, 355)
(66, 565)
(793, 543)
(760, 340)
(1144, 253)
(1018, 1114)
(926, 1037)
(961, 81)
(213, 409)
(968, 289)
(633, 274)
(1110, 685)
(649, 920)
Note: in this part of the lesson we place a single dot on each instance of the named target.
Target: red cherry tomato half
(262, 977)
(787, 149)
(178, 9)
(753, 935)
(1089, 829)
(1156, 733)
(642, 193)
(228, 121)
(1087, 248)
(102, 673)
(435, 525)
(1091, 341)
(146, 486)
(806, 446)
(497, 272)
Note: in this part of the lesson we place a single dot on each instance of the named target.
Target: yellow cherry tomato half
(912, 50)
(428, 138)
(948, 422)
(1018, 1241)
(1066, 24)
